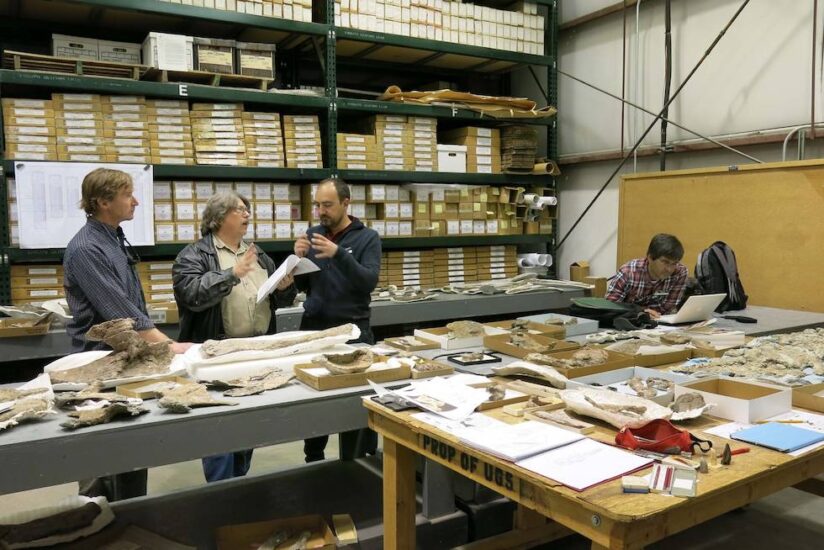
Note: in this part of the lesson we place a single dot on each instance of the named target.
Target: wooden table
(603, 514)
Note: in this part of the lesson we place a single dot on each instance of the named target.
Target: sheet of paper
(48, 199)
(584, 463)
(444, 397)
(293, 265)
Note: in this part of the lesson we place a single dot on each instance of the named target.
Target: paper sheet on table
(811, 421)
(584, 463)
(293, 265)
(444, 397)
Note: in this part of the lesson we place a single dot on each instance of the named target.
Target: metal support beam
(431, 58)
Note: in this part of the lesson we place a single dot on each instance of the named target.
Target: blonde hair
(102, 184)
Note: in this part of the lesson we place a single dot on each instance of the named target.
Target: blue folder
(781, 437)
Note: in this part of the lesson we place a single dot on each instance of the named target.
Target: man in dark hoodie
(349, 257)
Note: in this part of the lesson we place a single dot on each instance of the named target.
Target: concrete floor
(787, 519)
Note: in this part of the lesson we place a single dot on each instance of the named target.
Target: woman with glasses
(216, 281)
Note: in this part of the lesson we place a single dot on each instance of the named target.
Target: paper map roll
(534, 260)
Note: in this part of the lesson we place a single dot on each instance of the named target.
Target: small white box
(265, 231)
(183, 190)
(575, 326)
(163, 212)
(452, 158)
(119, 52)
(75, 47)
(739, 401)
(162, 190)
(165, 232)
(173, 52)
(299, 228)
(283, 212)
(283, 230)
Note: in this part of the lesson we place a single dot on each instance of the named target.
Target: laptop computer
(696, 308)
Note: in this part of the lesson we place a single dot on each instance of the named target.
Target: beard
(328, 222)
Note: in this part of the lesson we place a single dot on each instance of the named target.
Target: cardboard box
(616, 379)
(809, 397)
(151, 389)
(253, 535)
(321, 379)
(745, 402)
(553, 331)
(578, 271)
(452, 158)
(11, 327)
(441, 336)
(574, 326)
(600, 284)
(614, 361)
(501, 343)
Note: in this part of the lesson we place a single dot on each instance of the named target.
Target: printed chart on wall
(48, 200)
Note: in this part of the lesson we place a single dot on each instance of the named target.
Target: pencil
(782, 421)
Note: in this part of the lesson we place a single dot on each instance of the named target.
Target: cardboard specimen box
(151, 389)
(13, 327)
(501, 343)
(320, 378)
(744, 402)
(253, 535)
(510, 398)
(405, 345)
(809, 397)
(573, 326)
(579, 271)
(445, 371)
(614, 361)
(553, 331)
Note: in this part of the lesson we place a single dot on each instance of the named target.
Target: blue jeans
(227, 466)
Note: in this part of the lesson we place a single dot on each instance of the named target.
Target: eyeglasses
(241, 210)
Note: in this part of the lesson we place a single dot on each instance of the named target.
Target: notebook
(780, 437)
(696, 308)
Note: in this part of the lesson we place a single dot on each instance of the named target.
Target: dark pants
(116, 487)
(227, 466)
(354, 443)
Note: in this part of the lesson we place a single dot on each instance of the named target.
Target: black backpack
(619, 315)
(717, 273)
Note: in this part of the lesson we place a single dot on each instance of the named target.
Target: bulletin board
(772, 215)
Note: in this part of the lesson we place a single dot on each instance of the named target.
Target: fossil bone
(465, 329)
(132, 356)
(270, 379)
(184, 397)
(346, 363)
(92, 392)
(617, 409)
(216, 348)
(12, 394)
(31, 408)
(689, 405)
(532, 370)
(496, 392)
(92, 417)
(584, 357)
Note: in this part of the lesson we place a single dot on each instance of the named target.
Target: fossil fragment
(726, 456)
(471, 356)
(30, 408)
(270, 379)
(106, 414)
(419, 296)
(639, 386)
(703, 467)
(675, 338)
(93, 392)
(465, 329)
(12, 394)
(564, 420)
(184, 397)
(526, 341)
(496, 392)
(615, 408)
(584, 357)
(132, 356)
(346, 363)
(21, 535)
(538, 392)
(274, 541)
(216, 348)
(541, 372)
(561, 321)
(689, 405)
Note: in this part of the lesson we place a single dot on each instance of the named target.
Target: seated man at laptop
(655, 282)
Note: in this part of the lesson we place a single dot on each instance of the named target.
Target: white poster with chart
(48, 201)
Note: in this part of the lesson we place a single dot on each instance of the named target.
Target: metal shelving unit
(331, 44)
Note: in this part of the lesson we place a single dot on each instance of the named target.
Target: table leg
(399, 506)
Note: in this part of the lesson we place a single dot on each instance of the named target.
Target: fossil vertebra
(184, 397)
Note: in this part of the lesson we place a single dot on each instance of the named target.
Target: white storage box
(452, 158)
(739, 401)
(75, 47)
(169, 52)
(119, 52)
(580, 327)
(617, 379)
(441, 336)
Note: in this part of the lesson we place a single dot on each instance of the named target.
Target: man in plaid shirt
(656, 282)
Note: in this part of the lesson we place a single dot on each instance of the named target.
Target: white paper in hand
(293, 265)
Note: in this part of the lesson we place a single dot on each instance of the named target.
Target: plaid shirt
(633, 284)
